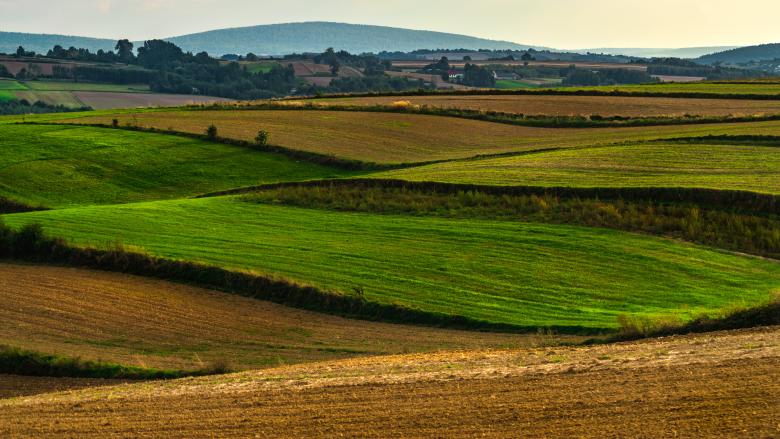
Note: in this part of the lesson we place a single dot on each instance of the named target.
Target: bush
(211, 132)
(262, 138)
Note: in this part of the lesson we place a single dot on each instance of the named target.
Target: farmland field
(734, 167)
(100, 166)
(407, 138)
(705, 385)
(578, 105)
(84, 86)
(508, 272)
(757, 88)
(151, 323)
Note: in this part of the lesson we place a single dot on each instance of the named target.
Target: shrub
(115, 123)
(262, 138)
(211, 132)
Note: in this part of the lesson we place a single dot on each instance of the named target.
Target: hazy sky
(554, 23)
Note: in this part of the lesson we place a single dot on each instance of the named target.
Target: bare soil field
(141, 322)
(707, 385)
(12, 386)
(110, 100)
(579, 105)
(406, 138)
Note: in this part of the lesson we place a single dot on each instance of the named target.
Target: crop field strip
(576, 105)
(395, 138)
(141, 322)
(651, 164)
(699, 385)
(536, 272)
(99, 166)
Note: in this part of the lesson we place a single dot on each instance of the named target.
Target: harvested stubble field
(404, 138)
(719, 166)
(525, 274)
(577, 105)
(712, 385)
(136, 321)
(725, 88)
(100, 166)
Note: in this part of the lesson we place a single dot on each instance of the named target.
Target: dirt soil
(708, 385)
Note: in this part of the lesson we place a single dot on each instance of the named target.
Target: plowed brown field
(400, 138)
(710, 385)
(579, 105)
(141, 322)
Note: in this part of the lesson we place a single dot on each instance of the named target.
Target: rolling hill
(685, 52)
(279, 39)
(743, 54)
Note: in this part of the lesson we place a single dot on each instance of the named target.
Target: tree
(124, 48)
(527, 57)
(211, 132)
(467, 58)
(335, 66)
(252, 57)
(20, 52)
(262, 138)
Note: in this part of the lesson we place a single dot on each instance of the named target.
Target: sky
(564, 24)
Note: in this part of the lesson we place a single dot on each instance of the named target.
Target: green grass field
(508, 84)
(10, 84)
(406, 138)
(59, 166)
(85, 86)
(735, 167)
(695, 87)
(497, 271)
(260, 67)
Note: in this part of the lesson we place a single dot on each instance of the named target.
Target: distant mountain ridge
(762, 52)
(42, 43)
(281, 39)
(685, 52)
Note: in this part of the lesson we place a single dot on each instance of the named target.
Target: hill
(99, 166)
(280, 39)
(41, 43)
(145, 322)
(743, 54)
(523, 274)
(685, 52)
(709, 385)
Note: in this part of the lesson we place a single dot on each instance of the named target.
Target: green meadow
(719, 166)
(519, 273)
(58, 166)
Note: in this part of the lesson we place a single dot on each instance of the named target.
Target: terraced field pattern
(374, 273)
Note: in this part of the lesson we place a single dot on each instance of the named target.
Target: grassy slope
(141, 322)
(60, 166)
(85, 86)
(526, 274)
(737, 167)
(399, 138)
